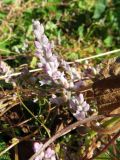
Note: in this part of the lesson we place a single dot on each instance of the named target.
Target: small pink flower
(49, 153)
(79, 107)
(37, 146)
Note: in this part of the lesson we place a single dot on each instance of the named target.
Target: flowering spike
(48, 61)
(48, 154)
(79, 107)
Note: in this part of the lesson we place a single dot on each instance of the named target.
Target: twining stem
(42, 124)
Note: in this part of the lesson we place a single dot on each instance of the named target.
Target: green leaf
(8, 1)
(2, 15)
(72, 56)
(50, 26)
(33, 62)
(99, 8)
(53, 7)
(108, 41)
(3, 147)
(3, 49)
(29, 31)
(81, 31)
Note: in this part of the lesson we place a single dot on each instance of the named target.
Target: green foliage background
(79, 28)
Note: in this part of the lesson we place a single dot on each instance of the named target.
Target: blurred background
(79, 28)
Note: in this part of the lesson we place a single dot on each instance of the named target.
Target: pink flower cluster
(52, 66)
(48, 61)
(7, 71)
(4, 68)
(48, 154)
(79, 106)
